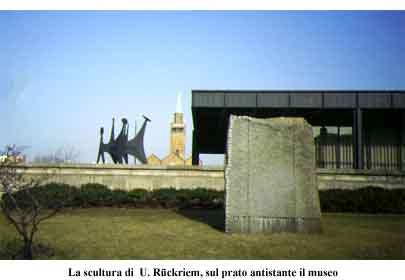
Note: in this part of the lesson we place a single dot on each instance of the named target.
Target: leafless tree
(21, 205)
(62, 155)
(69, 154)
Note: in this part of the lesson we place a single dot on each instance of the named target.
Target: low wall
(131, 177)
(355, 179)
(211, 177)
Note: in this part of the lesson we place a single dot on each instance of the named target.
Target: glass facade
(333, 146)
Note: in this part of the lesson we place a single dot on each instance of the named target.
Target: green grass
(120, 233)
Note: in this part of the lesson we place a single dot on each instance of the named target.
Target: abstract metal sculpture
(120, 148)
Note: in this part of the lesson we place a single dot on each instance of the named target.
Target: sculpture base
(237, 224)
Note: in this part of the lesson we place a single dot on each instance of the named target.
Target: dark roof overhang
(211, 109)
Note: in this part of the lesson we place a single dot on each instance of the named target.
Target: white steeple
(178, 104)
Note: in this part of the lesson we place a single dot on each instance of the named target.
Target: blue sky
(65, 74)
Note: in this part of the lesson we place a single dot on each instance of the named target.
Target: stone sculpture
(270, 179)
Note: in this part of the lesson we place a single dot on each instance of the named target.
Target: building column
(195, 152)
(358, 138)
(367, 144)
(402, 140)
(323, 133)
(337, 150)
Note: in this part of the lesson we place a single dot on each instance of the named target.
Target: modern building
(352, 129)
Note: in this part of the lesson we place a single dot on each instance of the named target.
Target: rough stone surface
(270, 177)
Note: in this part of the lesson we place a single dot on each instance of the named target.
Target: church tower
(177, 131)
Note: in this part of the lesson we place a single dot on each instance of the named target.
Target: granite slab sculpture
(270, 179)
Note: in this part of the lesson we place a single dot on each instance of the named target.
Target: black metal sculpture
(120, 148)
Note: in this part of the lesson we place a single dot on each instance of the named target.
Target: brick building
(177, 140)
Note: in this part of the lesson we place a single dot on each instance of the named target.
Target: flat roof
(211, 108)
(297, 99)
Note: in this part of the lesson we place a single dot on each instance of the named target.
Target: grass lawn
(119, 233)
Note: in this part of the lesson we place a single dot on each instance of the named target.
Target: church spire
(177, 131)
(179, 108)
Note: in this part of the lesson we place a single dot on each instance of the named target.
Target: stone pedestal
(270, 179)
